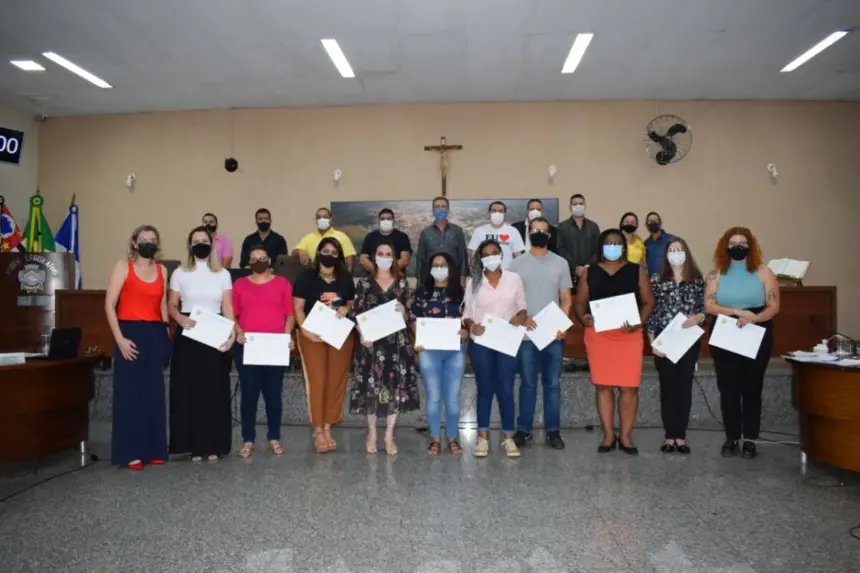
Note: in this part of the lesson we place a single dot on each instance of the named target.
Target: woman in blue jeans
(440, 296)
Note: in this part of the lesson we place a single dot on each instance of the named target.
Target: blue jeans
(547, 363)
(494, 376)
(442, 371)
(254, 380)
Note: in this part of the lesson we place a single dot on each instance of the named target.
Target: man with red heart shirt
(506, 235)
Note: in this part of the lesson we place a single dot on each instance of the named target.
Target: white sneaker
(511, 448)
(482, 448)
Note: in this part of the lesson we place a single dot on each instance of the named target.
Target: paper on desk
(550, 321)
(325, 323)
(501, 335)
(377, 323)
(438, 333)
(675, 340)
(611, 313)
(802, 356)
(209, 328)
(266, 349)
(744, 341)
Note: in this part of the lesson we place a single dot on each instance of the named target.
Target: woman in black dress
(384, 378)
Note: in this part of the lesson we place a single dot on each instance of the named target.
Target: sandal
(370, 445)
(332, 444)
(246, 451)
(434, 448)
(321, 445)
(275, 448)
(454, 448)
(391, 447)
(196, 459)
(213, 458)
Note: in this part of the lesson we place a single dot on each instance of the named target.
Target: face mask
(539, 240)
(384, 263)
(264, 226)
(386, 226)
(201, 250)
(440, 214)
(147, 250)
(612, 252)
(654, 226)
(497, 218)
(323, 224)
(577, 210)
(739, 252)
(492, 262)
(328, 260)
(534, 214)
(676, 258)
(211, 228)
(439, 273)
(259, 267)
(628, 228)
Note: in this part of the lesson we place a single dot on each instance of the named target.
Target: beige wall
(287, 155)
(18, 182)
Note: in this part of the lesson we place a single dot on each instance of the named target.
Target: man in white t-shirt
(506, 235)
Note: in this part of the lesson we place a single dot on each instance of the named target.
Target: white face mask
(386, 225)
(577, 210)
(439, 273)
(492, 262)
(323, 224)
(534, 214)
(677, 258)
(384, 263)
(497, 218)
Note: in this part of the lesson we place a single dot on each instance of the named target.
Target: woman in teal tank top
(741, 286)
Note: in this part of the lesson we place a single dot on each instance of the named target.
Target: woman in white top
(200, 421)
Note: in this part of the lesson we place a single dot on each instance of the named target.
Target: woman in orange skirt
(615, 356)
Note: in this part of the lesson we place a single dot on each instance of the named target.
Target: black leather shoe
(601, 449)
(667, 448)
(682, 448)
(729, 449)
(630, 450)
(748, 451)
(553, 440)
(523, 438)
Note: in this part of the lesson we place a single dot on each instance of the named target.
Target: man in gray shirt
(441, 237)
(546, 279)
(578, 238)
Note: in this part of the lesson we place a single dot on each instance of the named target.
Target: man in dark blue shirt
(655, 244)
(386, 233)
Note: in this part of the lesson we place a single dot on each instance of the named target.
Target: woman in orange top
(136, 308)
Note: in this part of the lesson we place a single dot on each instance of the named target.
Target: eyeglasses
(258, 260)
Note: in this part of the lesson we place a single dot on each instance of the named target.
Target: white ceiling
(201, 54)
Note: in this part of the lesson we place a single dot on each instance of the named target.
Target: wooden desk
(827, 400)
(44, 407)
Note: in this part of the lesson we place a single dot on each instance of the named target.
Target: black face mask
(259, 267)
(147, 250)
(628, 228)
(739, 252)
(654, 226)
(211, 228)
(201, 250)
(328, 260)
(539, 240)
(264, 226)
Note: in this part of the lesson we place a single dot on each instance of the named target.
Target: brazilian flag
(38, 237)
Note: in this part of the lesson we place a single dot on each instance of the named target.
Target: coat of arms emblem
(32, 278)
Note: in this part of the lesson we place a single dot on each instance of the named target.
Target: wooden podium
(28, 284)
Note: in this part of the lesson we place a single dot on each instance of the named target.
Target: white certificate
(266, 349)
(501, 335)
(325, 323)
(550, 321)
(209, 328)
(379, 322)
(744, 341)
(438, 333)
(675, 341)
(611, 313)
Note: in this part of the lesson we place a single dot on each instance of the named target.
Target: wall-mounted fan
(668, 139)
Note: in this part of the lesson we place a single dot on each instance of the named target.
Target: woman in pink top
(500, 294)
(262, 302)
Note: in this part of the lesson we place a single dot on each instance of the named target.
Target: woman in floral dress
(384, 378)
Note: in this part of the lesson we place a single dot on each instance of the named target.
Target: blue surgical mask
(440, 214)
(612, 252)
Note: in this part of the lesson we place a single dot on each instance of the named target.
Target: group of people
(508, 271)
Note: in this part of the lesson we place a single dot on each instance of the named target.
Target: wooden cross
(442, 149)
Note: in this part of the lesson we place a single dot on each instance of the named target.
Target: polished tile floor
(346, 512)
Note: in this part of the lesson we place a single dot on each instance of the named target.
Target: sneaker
(482, 448)
(511, 448)
(748, 451)
(553, 440)
(729, 449)
(522, 439)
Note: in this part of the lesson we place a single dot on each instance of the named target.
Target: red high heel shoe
(135, 466)
(157, 462)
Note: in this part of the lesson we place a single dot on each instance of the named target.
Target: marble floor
(347, 512)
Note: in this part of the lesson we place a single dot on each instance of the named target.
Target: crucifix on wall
(442, 149)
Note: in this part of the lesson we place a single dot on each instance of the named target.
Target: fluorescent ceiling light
(28, 65)
(76, 69)
(337, 58)
(577, 50)
(815, 50)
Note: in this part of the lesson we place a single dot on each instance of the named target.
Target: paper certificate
(266, 349)
(438, 333)
(675, 340)
(611, 313)
(744, 341)
(379, 322)
(209, 328)
(501, 335)
(325, 323)
(550, 321)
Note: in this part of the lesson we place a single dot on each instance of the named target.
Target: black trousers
(676, 391)
(740, 381)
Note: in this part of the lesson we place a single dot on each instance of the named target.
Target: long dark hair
(454, 289)
(690, 271)
(602, 241)
(478, 264)
(340, 266)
